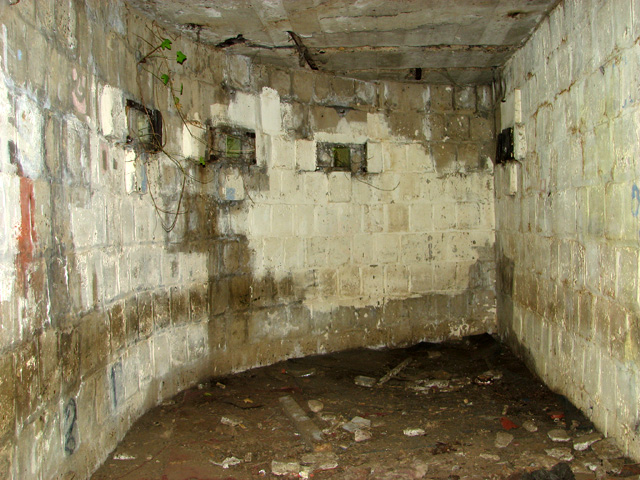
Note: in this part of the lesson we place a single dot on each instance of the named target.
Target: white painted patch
(242, 110)
(30, 136)
(270, 116)
(112, 113)
(193, 143)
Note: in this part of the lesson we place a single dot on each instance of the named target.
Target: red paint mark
(27, 234)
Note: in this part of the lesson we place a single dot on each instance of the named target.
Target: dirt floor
(457, 410)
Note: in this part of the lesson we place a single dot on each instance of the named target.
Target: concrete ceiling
(432, 41)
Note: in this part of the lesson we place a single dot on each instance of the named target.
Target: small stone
(530, 426)
(414, 432)
(124, 456)
(503, 439)
(434, 354)
(488, 456)
(315, 406)
(284, 468)
(363, 381)
(234, 422)
(558, 435)
(361, 435)
(584, 442)
(606, 449)
(561, 453)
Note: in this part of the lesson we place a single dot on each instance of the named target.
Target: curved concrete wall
(105, 314)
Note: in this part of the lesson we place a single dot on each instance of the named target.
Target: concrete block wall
(111, 303)
(567, 240)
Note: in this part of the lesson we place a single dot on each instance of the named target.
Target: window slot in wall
(145, 126)
(231, 145)
(349, 157)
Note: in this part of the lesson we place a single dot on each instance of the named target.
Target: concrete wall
(105, 314)
(567, 241)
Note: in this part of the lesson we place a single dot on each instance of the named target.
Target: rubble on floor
(462, 410)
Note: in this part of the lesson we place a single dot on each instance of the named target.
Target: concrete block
(327, 220)
(373, 218)
(373, 281)
(364, 250)
(302, 85)
(260, 220)
(444, 216)
(464, 98)
(231, 185)
(377, 126)
(420, 248)
(366, 93)
(294, 253)
(397, 218)
(283, 154)
(193, 141)
(374, 157)
(387, 248)
(339, 187)
(113, 120)
(338, 251)
(444, 276)
(316, 187)
(316, 251)
(304, 220)
(421, 278)
(242, 110)
(394, 156)
(419, 158)
(282, 221)
(421, 217)
(445, 155)
(396, 280)
(349, 283)
(305, 155)
(270, 116)
(441, 97)
(457, 127)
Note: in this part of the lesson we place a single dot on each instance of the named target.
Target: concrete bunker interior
(135, 265)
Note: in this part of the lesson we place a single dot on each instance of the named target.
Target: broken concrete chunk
(606, 449)
(301, 372)
(361, 435)
(503, 439)
(228, 462)
(315, 406)
(320, 460)
(357, 423)
(558, 435)
(364, 381)
(414, 432)
(305, 426)
(530, 426)
(285, 468)
(584, 442)
(561, 453)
